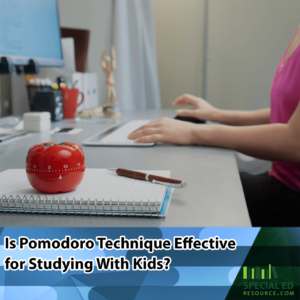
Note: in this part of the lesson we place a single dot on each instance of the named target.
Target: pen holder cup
(70, 102)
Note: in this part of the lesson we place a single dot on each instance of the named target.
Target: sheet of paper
(97, 184)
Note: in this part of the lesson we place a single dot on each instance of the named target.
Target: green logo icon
(260, 273)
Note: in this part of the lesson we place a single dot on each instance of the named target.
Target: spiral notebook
(100, 193)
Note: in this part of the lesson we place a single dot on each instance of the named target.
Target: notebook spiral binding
(45, 205)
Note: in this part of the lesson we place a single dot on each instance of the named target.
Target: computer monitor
(30, 30)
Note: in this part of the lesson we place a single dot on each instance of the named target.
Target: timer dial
(55, 168)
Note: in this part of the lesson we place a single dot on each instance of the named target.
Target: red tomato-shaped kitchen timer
(55, 168)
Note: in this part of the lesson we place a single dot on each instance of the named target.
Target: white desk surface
(213, 197)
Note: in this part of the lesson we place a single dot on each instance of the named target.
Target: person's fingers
(187, 113)
(152, 124)
(186, 100)
(142, 132)
(150, 139)
(181, 100)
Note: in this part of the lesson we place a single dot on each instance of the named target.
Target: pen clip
(174, 185)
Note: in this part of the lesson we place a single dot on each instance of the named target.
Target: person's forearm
(275, 142)
(241, 118)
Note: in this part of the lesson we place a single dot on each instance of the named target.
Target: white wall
(94, 15)
(179, 28)
(179, 32)
(246, 42)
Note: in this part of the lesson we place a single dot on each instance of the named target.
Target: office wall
(246, 42)
(179, 28)
(95, 16)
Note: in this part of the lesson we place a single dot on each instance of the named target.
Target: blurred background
(224, 51)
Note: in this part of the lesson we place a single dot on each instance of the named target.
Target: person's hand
(166, 131)
(203, 110)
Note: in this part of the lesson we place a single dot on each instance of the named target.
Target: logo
(266, 281)
(259, 273)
